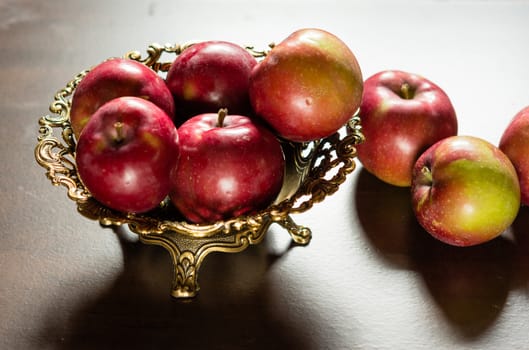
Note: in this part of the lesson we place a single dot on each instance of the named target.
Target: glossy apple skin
(227, 171)
(211, 75)
(465, 191)
(308, 86)
(127, 167)
(515, 144)
(398, 125)
(113, 78)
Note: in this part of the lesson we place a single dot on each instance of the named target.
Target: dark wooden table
(371, 278)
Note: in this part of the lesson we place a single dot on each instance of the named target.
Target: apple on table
(113, 78)
(229, 165)
(514, 143)
(402, 115)
(125, 154)
(465, 191)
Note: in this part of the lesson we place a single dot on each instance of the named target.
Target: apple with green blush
(465, 191)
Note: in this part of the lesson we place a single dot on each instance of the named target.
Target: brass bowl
(314, 170)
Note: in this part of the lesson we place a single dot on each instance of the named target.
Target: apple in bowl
(465, 191)
(229, 165)
(125, 154)
(402, 115)
(208, 76)
(113, 78)
(308, 86)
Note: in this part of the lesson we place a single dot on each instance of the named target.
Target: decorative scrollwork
(61, 104)
(330, 161)
(56, 158)
(315, 170)
(155, 52)
(186, 273)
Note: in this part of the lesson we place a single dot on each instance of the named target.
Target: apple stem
(119, 131)
(427, 175)
(223, 112)
(406, 91)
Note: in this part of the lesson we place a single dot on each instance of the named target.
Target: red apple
(308, 86)
(115, 78)
(515, 144)
(402, 115)
(465, 191)
(229, 166)
(125, 154)
(211, 75)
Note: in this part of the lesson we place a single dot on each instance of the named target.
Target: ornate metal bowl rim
(320, 167)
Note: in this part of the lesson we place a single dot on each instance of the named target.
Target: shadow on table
(234, 308)
(470, 285)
